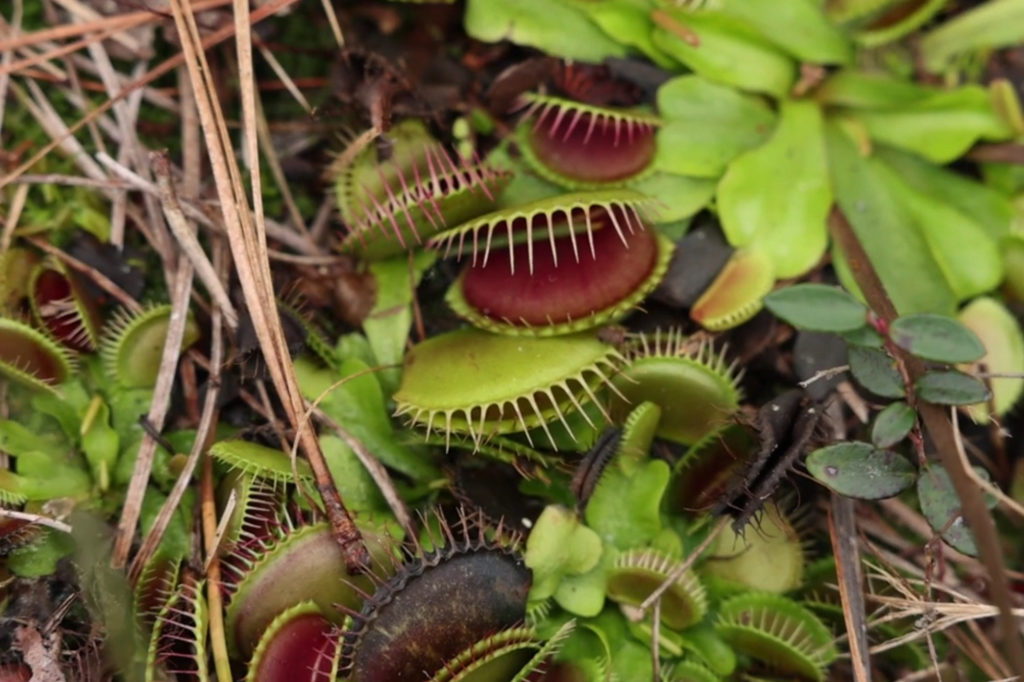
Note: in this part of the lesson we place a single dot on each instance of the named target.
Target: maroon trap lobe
(590, 146)
(301, 650)
(568, 283)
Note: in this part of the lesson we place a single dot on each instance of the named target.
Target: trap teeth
(470, 382)
(580, 146)
(394, 205)
(696, 389)
(558, 265)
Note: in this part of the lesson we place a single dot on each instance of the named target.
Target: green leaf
(40, 558)
(865, 335)
(861, 470)
(548, 25)
(899, 253)
(1001, 335)
(817, 307)
(624, 510)
(799, 27)
(387, 326)
(972, 199)
(992, 24)
(951, 388)
(941, 506)
(626, 22)
(967, 256)
(893, 424)
(721, 49)
(559, 545)
(583, 595)
(936, 337)
(100, 444)
(876, 371)
(17, 439)
(707, 125)
(353, 481)
(862, 89)
(679, 197)
(776, 197)
(941, 128)
(358, 405)
(47, 478)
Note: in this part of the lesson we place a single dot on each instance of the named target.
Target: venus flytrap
(782, 215)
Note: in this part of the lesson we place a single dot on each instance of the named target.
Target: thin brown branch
(843, 531)
(182, 288)
(942, 433)
(246, 235)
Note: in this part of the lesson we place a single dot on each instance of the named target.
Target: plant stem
(942, 433)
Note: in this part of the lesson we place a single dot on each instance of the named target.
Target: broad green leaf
(991, 24)
(775, 198)
(40, 558)
(100, 444)
(627, 22)
(354, 482)
(975, 201)
(721, 49)
(951, 388)
(1004, 351)
(940, 128)
(552, 26)
(861, 89)
(861, 470)
(817, 307)
(559, 545)
(904, 19)
(707, 125)
(968, 257)
(64, 411)
(624, 510)
(799, 27)
(941, 506)
(358, 405)
(584, 594)
(876, 371)
(16, 439)
(708, 646)
(46, 478)
(387, 325)
(936, 337)
(678, 197)
(898, 251)
(892, 424)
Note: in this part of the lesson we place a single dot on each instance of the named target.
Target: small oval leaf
(864, 336)
(936, 337)
(817, 307)
(951, 388)
(861, 470)
(876, 371)
(893, 424)
(941, 506)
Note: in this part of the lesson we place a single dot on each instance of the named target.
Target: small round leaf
(861, 470)
(876, 371)
(817, 307)
(951, 388)
(864, 336)
(892, 424)
(936, 337)
(941, 506)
